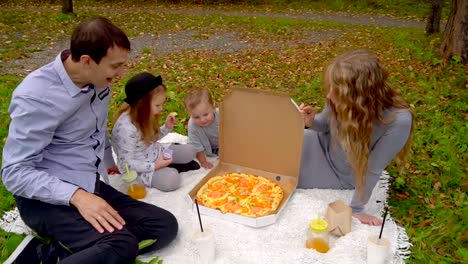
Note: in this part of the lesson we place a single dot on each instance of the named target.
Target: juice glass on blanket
(136, 188)
(377, 249)
(318, 236)
(205, 244)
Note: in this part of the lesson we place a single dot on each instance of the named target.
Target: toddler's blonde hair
(196, 96)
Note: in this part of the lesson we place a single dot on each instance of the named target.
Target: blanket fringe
(12, 222)
(403, 251)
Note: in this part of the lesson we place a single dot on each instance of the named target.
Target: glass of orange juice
(318, 236)
(136, 188)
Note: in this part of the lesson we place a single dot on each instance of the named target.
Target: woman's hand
(368, 219)
(170, 121)
(308, 114)
(161, 162)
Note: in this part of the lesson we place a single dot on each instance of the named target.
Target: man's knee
(165, 231)
(123, 245)
(172, 227)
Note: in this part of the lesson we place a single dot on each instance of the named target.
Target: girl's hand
(308, 114)
(170, 121)
(368, 219)
(161, 162)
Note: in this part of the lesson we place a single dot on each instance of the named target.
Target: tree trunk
(455, 41)
(433, 20)
(67, 6)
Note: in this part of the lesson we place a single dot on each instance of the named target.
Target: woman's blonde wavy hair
(360, 91)
(140, 116)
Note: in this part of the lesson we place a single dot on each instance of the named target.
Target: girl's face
(157, 103)
(203, 114)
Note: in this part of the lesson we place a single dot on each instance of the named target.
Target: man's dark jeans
(66, 225)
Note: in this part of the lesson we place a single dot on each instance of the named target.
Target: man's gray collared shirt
(57, 136)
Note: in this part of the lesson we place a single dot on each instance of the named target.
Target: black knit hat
(140, 85)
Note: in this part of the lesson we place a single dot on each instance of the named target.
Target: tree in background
(67, 6)
(455, 41)
(433, 20)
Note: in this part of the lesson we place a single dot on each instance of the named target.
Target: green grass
(7, 84)
(8, 242)
(432, 191)
(428, 198)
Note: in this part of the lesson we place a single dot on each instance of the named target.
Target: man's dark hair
(94, 37)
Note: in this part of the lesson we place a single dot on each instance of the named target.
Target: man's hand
(96, 211)
(308, 114)
(368, 219)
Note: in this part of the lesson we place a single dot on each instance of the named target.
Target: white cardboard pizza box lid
(261, 132)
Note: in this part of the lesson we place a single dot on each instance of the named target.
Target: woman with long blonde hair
(363, 127)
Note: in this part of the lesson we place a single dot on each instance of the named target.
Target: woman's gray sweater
(324, 164)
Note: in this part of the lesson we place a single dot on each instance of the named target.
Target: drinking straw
(199, 218)
(126, 167)
(131, 185)
(383, 222)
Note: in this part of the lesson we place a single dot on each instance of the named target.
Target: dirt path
(221, 41)
(355, 19)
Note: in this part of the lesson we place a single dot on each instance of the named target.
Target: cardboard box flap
(261, 129)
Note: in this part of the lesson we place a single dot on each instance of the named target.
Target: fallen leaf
(437, 186)
(440, 251)
(401, 195)
(424, 223)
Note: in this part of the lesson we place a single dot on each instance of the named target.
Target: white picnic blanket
(281, 242)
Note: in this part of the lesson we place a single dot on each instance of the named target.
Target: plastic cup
(205, 244)
(377, 250)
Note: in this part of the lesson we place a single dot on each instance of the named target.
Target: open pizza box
(260, 132)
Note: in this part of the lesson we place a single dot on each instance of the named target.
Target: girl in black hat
(136, 133)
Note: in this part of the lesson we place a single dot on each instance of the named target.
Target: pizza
(241, 193)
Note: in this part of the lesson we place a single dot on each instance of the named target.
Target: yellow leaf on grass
(437, 186)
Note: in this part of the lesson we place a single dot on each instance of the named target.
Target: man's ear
(86, 61)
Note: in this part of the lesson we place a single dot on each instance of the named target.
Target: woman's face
(157, 102)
